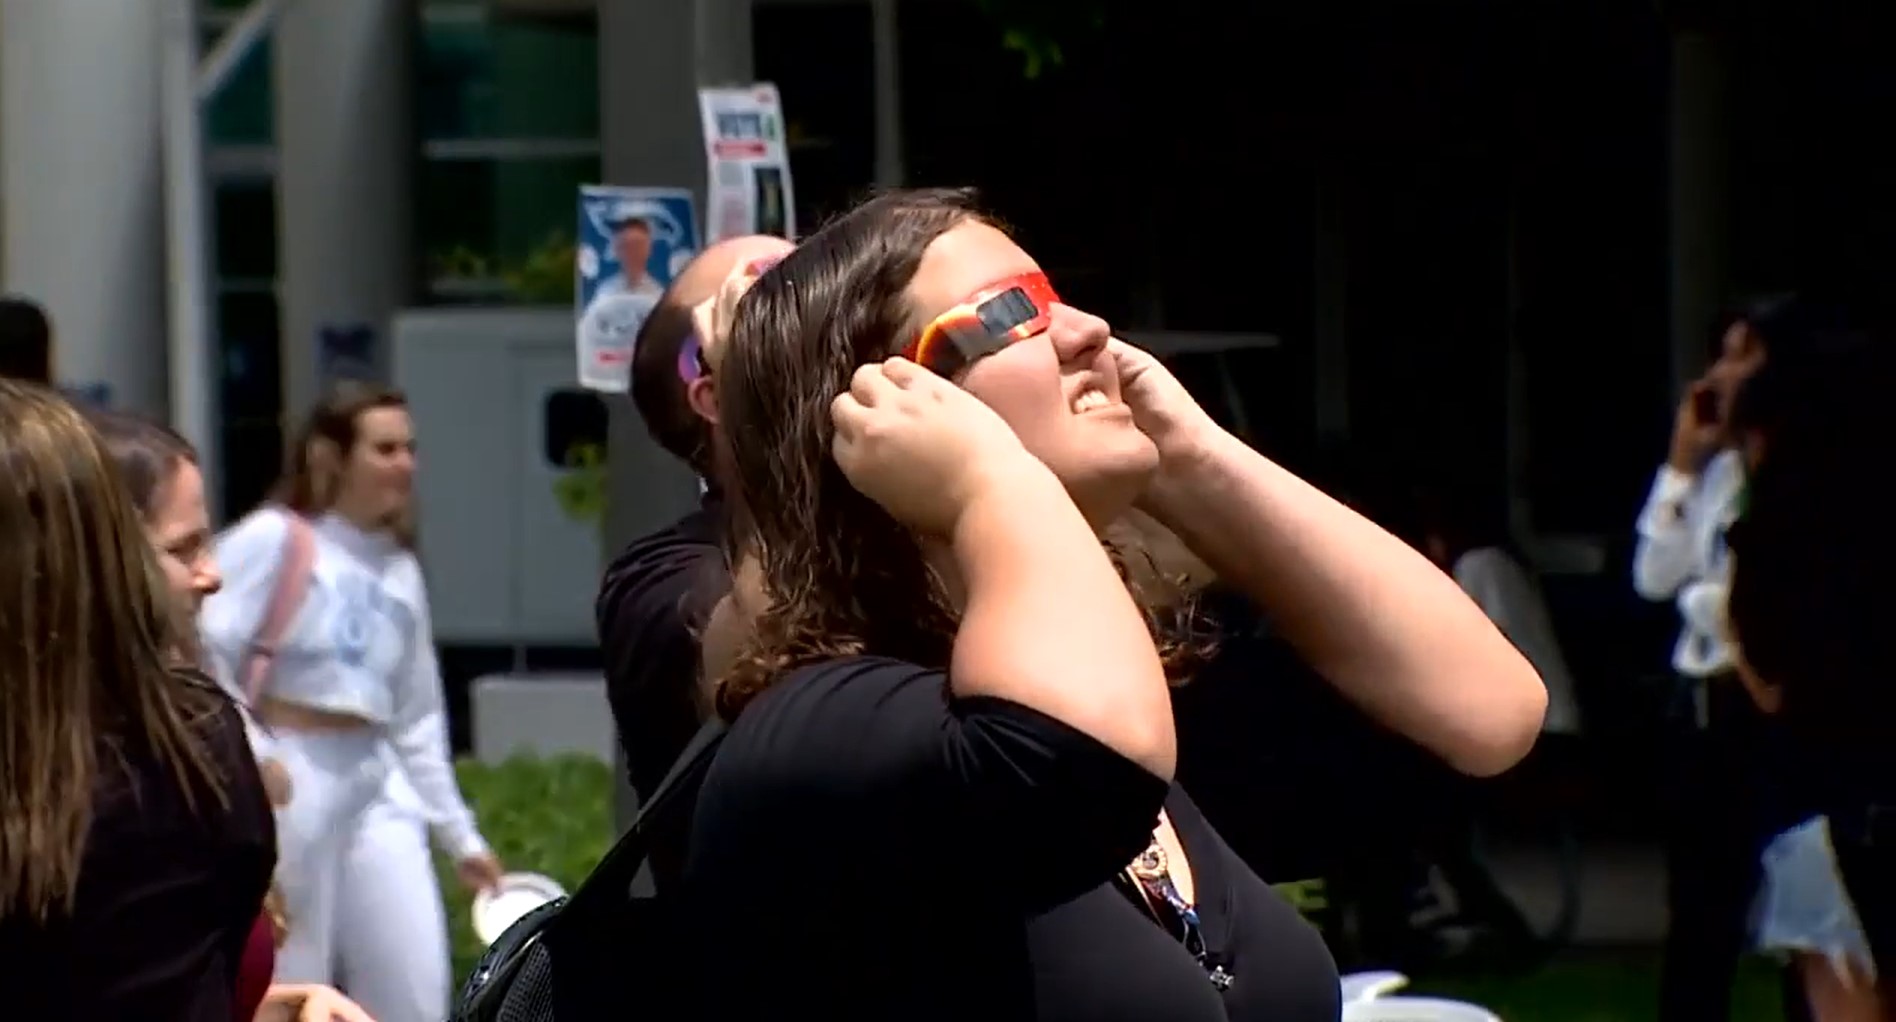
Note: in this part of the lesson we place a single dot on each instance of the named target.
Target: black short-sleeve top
(867, 846)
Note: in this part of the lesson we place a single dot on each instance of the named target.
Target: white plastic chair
(1415, 1009)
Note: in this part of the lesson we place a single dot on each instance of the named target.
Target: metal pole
(194, 398)
(888, 100)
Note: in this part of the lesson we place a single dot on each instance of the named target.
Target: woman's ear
(324, 458)
(702, 395)
(323, 453)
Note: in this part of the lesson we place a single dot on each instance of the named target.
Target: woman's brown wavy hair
(89, 641)
(842, 577)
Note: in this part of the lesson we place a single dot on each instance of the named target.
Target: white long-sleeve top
(1512, 599)
(1681, 556)
(361, 644)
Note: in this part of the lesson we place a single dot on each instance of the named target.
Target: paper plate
(1367, 986)
(1416, 1009)
(515, 896)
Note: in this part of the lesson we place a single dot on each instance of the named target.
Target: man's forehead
(701, 278)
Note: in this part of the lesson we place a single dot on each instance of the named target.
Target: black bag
(568, 958)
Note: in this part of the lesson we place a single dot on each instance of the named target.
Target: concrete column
(82, 187)
(652, 58)
(346, 155)
(1699, 212)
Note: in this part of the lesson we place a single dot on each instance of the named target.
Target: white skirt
(1802, 905)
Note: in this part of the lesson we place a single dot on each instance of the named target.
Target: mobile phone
(1705, 406)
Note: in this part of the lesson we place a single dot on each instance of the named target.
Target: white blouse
(361, 644)
(1682, 557)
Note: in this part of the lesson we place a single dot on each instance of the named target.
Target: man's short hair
(631, 221)
(26, 341)
(658, 390)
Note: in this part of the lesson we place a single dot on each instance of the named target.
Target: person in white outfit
(325, 616)
(1728, 794)
(387, 864)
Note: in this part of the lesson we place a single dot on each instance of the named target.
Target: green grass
(550, 816)
(1617, 985)
(555, 817)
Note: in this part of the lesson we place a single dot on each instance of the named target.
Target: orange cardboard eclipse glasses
(999, 314)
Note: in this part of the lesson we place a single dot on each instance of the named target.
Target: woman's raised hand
(921, 447)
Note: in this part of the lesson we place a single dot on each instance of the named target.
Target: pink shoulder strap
(286, 598)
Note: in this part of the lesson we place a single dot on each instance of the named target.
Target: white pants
(393, 955)
(358, 883)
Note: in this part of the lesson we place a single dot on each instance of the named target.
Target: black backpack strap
(610, 881)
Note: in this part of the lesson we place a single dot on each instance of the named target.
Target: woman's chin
(1108, 492)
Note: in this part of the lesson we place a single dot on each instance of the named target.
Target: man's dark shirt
(652, 606)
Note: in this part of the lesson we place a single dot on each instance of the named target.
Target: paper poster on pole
(748, 161)
(632, 242)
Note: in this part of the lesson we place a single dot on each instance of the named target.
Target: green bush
(550, 816)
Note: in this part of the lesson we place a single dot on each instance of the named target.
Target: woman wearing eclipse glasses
(947, 788)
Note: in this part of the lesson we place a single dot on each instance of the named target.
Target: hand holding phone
(1705, 404)
(1696, 433)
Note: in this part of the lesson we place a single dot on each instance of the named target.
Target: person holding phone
(1724, 810)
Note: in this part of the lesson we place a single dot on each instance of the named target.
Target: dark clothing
(1847, 750)
(867, 846)
(1731, 794)
(167, 897)
(652, 605)
(1851, 778)
(1865, 839)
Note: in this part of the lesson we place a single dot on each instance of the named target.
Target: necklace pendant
(1220, 977)
(1151, 863)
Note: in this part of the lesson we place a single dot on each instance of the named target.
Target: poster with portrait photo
(632, 241)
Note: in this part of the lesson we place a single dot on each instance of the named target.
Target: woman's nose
(208, 579)
(1077, 335)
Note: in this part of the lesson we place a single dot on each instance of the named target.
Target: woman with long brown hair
(161, 475)
(135, 840)
(324, 616)
(947, 787)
